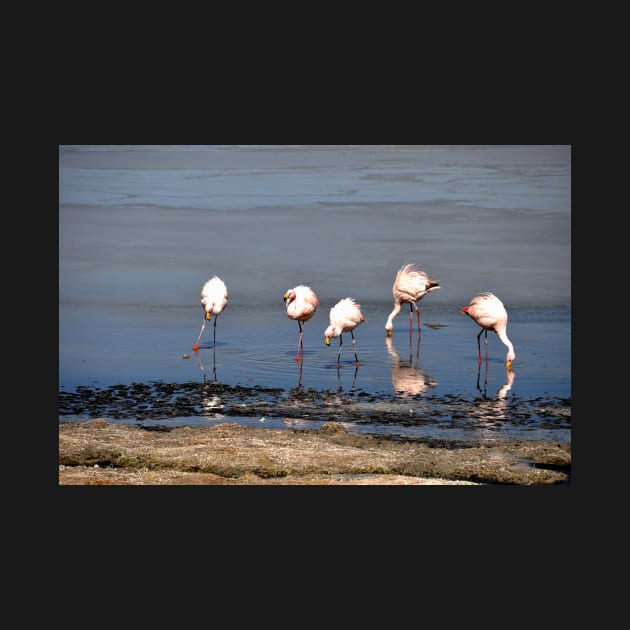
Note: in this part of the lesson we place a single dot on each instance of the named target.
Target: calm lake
(141, 228)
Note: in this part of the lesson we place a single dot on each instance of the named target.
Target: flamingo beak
(508, 365)
(389, 333)
(208, 315)
(327, 341)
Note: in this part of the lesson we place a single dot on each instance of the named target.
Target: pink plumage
(301, 303)
(487, 310)
(410, 285)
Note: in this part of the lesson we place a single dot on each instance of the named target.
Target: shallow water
(142, 228)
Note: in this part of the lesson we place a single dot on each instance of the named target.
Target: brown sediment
(101, 453)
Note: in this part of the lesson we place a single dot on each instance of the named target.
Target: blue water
(142, 228)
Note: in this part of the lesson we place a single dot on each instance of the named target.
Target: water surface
(142, 228)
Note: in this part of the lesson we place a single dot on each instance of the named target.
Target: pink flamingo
(214, 297)
(345, 316)
(411, 284)
(301, 303)
(487, 310)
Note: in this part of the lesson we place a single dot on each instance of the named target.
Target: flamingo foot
(196, 347)
(297, 357)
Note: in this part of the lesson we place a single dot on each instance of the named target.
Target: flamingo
(487, 310)
(345, 316)
(411, 284)
(214, 297)
(301, 303)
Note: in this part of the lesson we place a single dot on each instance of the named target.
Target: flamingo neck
(389, 325)
(502, 334)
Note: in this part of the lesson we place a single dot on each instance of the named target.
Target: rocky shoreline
(100, 453)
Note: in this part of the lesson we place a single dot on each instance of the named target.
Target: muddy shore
(101, 453)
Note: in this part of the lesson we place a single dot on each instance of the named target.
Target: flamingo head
(329, 333)
(289, 296)
(509, 359)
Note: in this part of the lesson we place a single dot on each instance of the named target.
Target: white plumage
(214, 297)
(345, 316)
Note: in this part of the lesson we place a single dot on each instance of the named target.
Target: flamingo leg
(486, 340)
(300, 349)
(418, 313)
(410, 320)
(196, 344)
(214, 350)
(339, 355)
(479, 346)
(354, 345)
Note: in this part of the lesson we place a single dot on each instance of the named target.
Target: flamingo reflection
(202, 365)
(408, 378)
(503, 390)
(354, 379)
(493, 408)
